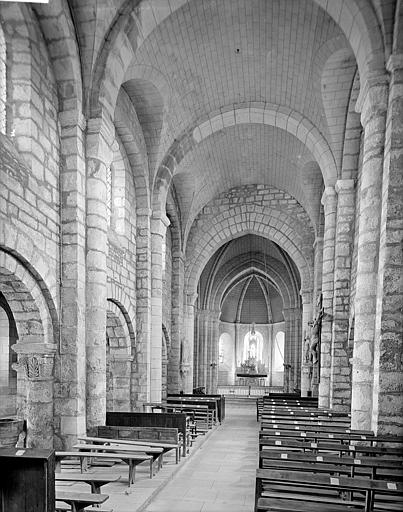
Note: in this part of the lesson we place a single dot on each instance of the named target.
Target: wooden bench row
(311, 460)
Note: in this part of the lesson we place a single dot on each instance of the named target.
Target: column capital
(394, 62)
(159, 223)
(190, 299)
(329, 199)
(344, 185)
(73, 117)
(35, 359)
(318, 240)
(306, 296)
(143, 212)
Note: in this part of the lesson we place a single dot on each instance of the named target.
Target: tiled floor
(218, 475)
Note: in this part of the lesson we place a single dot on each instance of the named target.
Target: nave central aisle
(220, 477)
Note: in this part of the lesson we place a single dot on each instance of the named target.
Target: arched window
(278, 363)
(3, 82)
(253, 346)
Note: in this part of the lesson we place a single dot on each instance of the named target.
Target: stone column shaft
(70, 367)
(214, 356)
(329, 204)
(373, 116)
(159, 224)
(340, 381)
(388, 367)
(306, 318)
(99, 156)
(141, 371)
(188, 343)
(177, 321)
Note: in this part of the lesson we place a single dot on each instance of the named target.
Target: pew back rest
(162, 434)
(149, 419)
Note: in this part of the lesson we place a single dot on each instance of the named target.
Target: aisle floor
(220, 477)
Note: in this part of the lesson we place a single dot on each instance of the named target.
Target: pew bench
(150, 420)
(131, 459)
(162, 448)
(319, 435)
(95, 480)
(365, 467)
(341, 448)
(318, 426)
(78, 501)
(154, 451)
(377, 466)
(161, 437)
(301, 491)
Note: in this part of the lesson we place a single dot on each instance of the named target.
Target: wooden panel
(27, 480)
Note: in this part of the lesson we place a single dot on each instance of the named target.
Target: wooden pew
(148, 419)
(101, 448)
(341, 448)
(95, 480)
(375, 467)
(78, 501)
(131, 459)
(202, 414)
(302, 493)
(219, 398)
(320, 435)
(313, 426)
(162, 437)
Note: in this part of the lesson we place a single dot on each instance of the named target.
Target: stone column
(237, 348)
(99, 155)
(340, 381)
(329, 201)
(203, 342)
(388, 367)
(120, 369)
(373, 117)
(306, 367)
(186, 365)
(287, 313)
(318, 268)
(196, 349)
(36, 360)
(215, 324)
(177, 321)
(70, 366)
(141, 371)
(159, 224)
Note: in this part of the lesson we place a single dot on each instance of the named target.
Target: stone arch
(398, 29)
(358, 21)
(278, 116)
(131, 136)
(223, 230)
(287, 226)
(120, 343)
(23, 249)
(58, 30)
(273, 272)
(36, 346)
(116, 295)
(45, 328)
